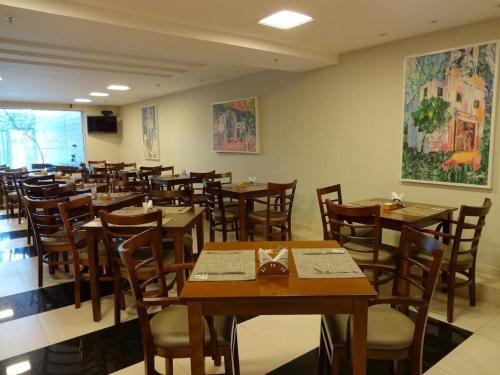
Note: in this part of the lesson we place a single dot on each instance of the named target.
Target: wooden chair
(358, 230)
(74, 214)
(117, 228)
(129, 166)
(96, 163)
(166, 334)
(51, 239)
(461, 253)
(41, 165)
(67, 170)
(221, 218)
(334, 194)
(392, 335)
(157, 170)
(196, 183)
(40, 180)
(12, 193)
(114, 168)
(60, 191)
(278, 212)
(119, 186)
(224, 177)
(36, 191)
(145, 177)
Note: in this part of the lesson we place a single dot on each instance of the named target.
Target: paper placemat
(224, 265)
(174, 210)
(325, 263)
(417, 210)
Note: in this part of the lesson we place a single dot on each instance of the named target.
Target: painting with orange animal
(449, 113)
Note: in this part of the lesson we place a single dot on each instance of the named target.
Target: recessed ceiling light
(82, 100)
(118, 87)
(7, 313)
(18, 368)
(285, 19)
(1, 78)
(95, 93)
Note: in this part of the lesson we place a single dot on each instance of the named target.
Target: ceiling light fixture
(95, 93)
(1, 78)
(82, 100)
(18, 368)
(118, 87)
(285, 19)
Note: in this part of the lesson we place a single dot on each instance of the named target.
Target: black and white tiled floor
(40, 326)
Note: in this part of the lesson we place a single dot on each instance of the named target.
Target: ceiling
(57, 50)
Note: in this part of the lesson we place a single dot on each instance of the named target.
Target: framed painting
(235, 126)
(151, 143)
(449, 116)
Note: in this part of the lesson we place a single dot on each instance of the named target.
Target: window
(40, 136)
(425, 92)
(476, 103)
(440, 91)
(459, 97)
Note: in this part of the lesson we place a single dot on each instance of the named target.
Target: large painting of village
(235, 126)
(449, 116)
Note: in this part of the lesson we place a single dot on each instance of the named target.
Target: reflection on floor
(45, 330)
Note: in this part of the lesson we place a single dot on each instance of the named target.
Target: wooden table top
(244, 187)
(117, 198)
(275, 287)
(399, 214)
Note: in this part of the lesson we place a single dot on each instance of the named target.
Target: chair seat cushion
(101, 250)
(169, 327)
(60, 238)
(274, 217)
(462, 259)
(362, 251)
(231, 215)
(388, 329)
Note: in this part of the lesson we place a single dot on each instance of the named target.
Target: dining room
(195, 187)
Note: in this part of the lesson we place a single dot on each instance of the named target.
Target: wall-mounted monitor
(102, 124)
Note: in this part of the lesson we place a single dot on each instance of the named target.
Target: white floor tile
(491, 329)
(435, 370)
(21, 336)
(476, 355)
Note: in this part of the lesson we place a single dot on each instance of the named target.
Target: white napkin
(281, 257)
(252, 179)
(147, 206)
(398, 198)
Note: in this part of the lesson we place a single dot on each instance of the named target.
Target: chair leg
(228, 367)
(77, 286)
(321, 356)
(66, 259)
(117, 298)
(40, 269)
(472, 286)
(451, 296)
(169, 366)
(236, 356)
(395, 367)
(336, 362)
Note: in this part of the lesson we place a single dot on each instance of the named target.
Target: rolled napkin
(252, 180)
(398, 198)
(147, 206)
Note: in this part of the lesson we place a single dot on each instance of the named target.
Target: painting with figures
(449, 109)
(150, 133)
(235, 126)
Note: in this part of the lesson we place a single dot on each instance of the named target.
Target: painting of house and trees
(235, 126)
(449, 116)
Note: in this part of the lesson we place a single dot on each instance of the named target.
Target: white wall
(336, 125)
(105, 146)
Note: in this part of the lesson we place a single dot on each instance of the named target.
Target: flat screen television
(102, 124)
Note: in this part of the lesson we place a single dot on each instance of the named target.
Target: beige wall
(106, 146)
(336, 125)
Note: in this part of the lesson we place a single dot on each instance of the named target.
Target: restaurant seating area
(232, 188)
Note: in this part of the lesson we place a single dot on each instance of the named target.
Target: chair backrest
(120, 185)
(470, 224)
(196, 181)
(129, 166)
(75, 213)
(334, 194)
(118, 227)
(224, 177)
(59, 191)
(40, 180)
(409, 287)
(157, 170)
(36, 191)
(114, 168)
(214, 200)
(145, 176)
(356, 228)
(10, 181)
(98, 163)
(174, 198)
(279, 198)
(46, 220)
(41, 165)
(67, 170)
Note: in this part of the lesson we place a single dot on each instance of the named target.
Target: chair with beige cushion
(117, 228)
(51, 239)
(332, 193)
(358, 230)
(74, 214)
(277, 212)
(222, 218)
(166, 333)
(391, 333)
(460, 252)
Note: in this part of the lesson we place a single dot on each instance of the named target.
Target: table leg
(447, 227)
(93, 270)
(196, 336)
(243, 223)
(178, 235)
(358, 326)
(200, 233)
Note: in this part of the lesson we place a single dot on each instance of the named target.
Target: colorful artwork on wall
(150, 133)
(235, 126)
(449, 110)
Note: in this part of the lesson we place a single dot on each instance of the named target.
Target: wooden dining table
(170, 180)
(278, 295)
(179, 224)
(244, 193)
(414, 214)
